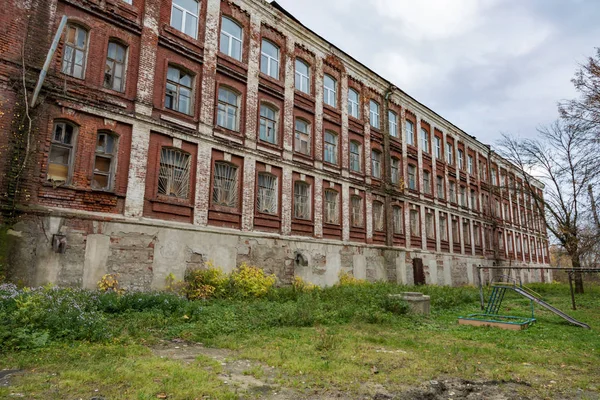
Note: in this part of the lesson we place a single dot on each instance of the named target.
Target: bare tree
(561, 159)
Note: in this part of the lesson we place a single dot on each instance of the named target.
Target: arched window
(398, 220)
(228, 113)
(355, 157)
(395, 167)
(60, 161)
(174, 174)
(231, 38)
(330, 149)
(266, 196)
(330, 91)
(357, 220)
(105, 161)
(331, 212)
(425, 140)
(378, 218)
(302, 200)
(393, 123)
(268, 124)
(302, 76)
(184, 16)
(410, 133)
(75, 51)
(302, 137)
(426, 182)
(115, 68)
(412, 177)
(374, 114)
(269, 59)
(178, 94)
(353, 103)
(376, 164)
(225, 185)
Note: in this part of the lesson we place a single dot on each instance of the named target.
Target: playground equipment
(491, 316)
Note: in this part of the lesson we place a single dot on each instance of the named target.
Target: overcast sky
(487, 66)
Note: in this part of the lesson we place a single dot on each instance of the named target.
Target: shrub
(206, 283)
(395, 305)
(250, 282)
(300, 285)
(110, 283)
(347, 279)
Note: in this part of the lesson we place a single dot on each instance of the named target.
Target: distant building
(170, 133)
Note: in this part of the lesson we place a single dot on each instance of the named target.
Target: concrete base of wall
(144, 252)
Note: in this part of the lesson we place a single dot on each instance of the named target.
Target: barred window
(302, 142)
(331, 213)
(356, 216)
(398, 220)
(61, 156)
(266, 196)
(225, 185)
(301, 200)
(174, 174)
(104, 163)
(378, 217)
(355, 158)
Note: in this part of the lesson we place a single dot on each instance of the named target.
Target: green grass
(333, 338)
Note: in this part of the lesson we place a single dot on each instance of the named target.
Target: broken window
(178, 95)
(61, 152)
(225, 185)
(174, 174)
(104, 163)
(75, 51)
(266, 197)
(331, 214)
(301, 200)
(302, 142)
(114, 70)
(268, 124)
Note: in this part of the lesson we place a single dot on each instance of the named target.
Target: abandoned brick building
(172, 132)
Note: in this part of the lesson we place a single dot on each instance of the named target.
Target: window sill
(270, 217)
(335, 110)
(179, 114)
(268, 78)
(181, 35)
(224, 57)
(225, 210)
(70, 186)
(171, 201)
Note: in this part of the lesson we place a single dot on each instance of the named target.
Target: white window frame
(425, 140)
(302, 81)
(267, 193)
(412, 177)
(225, 191)
(378, 216)
(174, 173)
(178, 93)
(393, 123)
(426, 182)
(438, 148)
(302, 203)
(302, 137)
(356, 211)
(355, 156)
(231, 38)
(410, 133)
(186, 14)
(376, 164)
(374, 114)
(330, 149)
(112, 64)
(330, 93)
(449, 153)
(461, 162)
(470, 164)
(268, 129)
(331, 204)
(353, 105)
(395, 171)
(269, 65)
(225, 108)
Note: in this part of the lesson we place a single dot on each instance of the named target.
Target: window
(331, 214)
(376, 164)
(460, 159)
(467, 232)
(470, 164)
(452, 192)
(104, 162)
(114, 71)
(412, 177)
(393, 121)
(378, 218)
(463, 196)
(302, 200)
(425, 140)
(455, 231)
(429, 226)
(268, 124)
(410, 133)
(174, 174)
(438, 148)
(75, 52)
(61, 152)
(494, 177)
(330, 91)
(355, 158)
(269, 59)
(184, 16)
(178, 94)
(473, 200)
(225, 185)
(510, 243)
(395, 167)
(398, 220)
(356, 217)
(427, 182)
(228, 109)
(440, 187)
(231, 38)
(443, 228)
(449, 153)
(415, 226)
(330, 150)
(302, 141)
(500, 241)
(353, 103)
(266, 197)
(374, 114)
(302, 76)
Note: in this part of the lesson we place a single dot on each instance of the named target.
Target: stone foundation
(145, 252)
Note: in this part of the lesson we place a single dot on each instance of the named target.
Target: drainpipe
(49, 58)
(389, 238)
